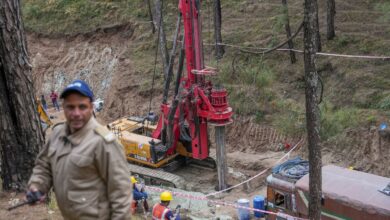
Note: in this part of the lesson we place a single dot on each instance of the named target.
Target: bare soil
(36, 212)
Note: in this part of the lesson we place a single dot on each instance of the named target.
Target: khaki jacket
(88, 172)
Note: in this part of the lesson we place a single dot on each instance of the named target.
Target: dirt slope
(364, 148)
(94, 57)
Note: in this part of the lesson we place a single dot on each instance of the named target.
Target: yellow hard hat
(133, 180)
(166, 196)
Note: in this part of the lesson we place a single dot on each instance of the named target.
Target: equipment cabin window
(280, 199)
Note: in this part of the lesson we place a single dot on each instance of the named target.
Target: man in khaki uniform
(84, 163)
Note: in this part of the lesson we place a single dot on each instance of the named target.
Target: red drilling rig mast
(201, 103)
(182, 129)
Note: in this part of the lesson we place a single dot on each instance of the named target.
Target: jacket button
(83, 199)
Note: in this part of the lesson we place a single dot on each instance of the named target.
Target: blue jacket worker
(139, 195)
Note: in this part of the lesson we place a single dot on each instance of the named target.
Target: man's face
(78, 110)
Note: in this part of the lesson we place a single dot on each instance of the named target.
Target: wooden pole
(331, 12)
(221, 157)
(288, 32)
(150, 15)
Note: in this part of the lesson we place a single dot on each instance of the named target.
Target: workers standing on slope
(54, 97)
(84, 163)
(161, 210)
(139, 195)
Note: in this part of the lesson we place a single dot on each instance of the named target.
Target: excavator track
(208, 163)
(157, 177)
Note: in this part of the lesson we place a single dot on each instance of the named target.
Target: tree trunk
(20, 128)
(288, 32)
(159, 23)
(331, 12)
(150, 15)
(312, 110)
(219, 49)
(319, 46)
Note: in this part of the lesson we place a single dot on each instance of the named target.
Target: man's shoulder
(56, 131)
(103, 132)
(58, 127)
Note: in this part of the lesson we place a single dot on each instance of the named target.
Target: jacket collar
(77, 137)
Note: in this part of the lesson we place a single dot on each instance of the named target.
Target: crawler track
(165, 176)
(157, 177)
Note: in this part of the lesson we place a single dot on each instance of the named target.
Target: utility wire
(377, 57)
(318, 53)
(278, 46)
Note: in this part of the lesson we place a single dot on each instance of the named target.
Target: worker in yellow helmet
(161, 210)
(139, 195)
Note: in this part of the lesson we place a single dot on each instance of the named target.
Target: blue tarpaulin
(294, 168)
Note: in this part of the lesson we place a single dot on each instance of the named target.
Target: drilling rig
(181, 134)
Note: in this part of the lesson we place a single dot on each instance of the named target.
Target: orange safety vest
(159, 212)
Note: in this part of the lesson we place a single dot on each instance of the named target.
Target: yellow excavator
(43, 116)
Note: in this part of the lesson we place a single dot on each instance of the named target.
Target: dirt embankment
(94, 57)
(363, 148)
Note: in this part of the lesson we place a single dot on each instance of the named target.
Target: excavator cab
(135, 134)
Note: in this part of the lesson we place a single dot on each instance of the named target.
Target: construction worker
(139, 195)
(43, 101)
(84, 163)
(53, 97)
(161, 210)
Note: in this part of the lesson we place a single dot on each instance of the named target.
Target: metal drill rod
(221, 157)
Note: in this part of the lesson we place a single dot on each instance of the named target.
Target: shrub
(334, 121)
(384, 104)
(258, 74)
(76, 16)
(291, 119)
(385, 9)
